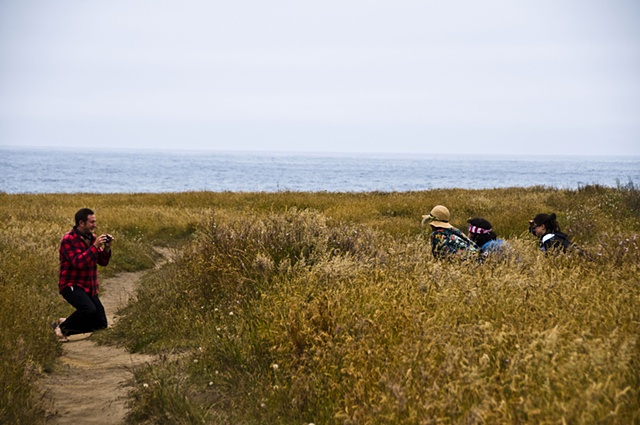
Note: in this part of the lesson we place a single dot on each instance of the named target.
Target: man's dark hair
(83, 215)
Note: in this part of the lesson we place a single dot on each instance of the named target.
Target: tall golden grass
(329, 308)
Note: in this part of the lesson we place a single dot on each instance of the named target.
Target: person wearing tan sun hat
(446, 240)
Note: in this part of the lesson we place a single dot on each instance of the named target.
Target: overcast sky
(423, 76)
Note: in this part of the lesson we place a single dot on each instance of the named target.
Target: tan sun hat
(438, 217)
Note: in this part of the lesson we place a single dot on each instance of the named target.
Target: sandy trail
(89, 386)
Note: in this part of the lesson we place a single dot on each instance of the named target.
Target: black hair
(481, 238)
(548, 221)
(83, 215)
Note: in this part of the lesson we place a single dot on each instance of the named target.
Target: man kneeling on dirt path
(81, 251)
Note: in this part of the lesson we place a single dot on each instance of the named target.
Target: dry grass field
(328, 308)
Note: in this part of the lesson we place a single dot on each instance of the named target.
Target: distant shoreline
(330, 154)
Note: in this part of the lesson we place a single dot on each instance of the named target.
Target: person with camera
(81, 252)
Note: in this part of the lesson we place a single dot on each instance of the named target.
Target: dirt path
(90, 384)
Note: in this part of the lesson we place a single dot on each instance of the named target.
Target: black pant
(89, 315)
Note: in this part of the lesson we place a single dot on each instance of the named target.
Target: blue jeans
(89, 315)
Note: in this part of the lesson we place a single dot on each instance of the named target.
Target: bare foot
(60, 335)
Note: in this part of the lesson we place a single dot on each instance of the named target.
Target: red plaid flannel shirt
(79, 262)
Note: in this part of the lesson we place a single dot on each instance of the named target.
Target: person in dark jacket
(546, 228)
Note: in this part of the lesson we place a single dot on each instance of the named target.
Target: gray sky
(478, 77)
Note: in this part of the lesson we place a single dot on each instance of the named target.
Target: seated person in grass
(482, 234)
(546, 228)
(446, 240)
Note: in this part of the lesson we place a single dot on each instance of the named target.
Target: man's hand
(104, 241)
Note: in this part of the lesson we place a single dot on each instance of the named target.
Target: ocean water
(49, 170)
